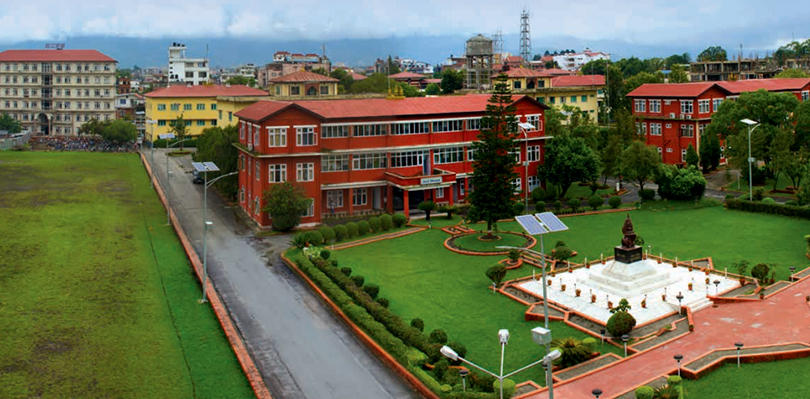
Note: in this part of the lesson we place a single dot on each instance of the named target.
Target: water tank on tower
(479, 56)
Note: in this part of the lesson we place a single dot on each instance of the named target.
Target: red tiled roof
(556, 72)
(205, 91)
(376, 107)
(521, 73)
(282, 52)
(741, 86)
(357, 76)
(514, 58)
(54, 55)
(406, 75)
(578, 80)
(672, 89)
(303, 76)
(429, 81)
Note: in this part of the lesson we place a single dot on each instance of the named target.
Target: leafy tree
(709, 151)
(179, 128)
(780, 154)
(10, 124)
(615, 90)
(760, 272)
(345, 78)
(554, 122)
(496, 274)
(119, 131)
(568, 160)
(796, 166)
(640, 162)
(432, 89)
(320, 71)
(713, 53)
(550, 64)
(494, 166)
(611, 157)
(678, 74)
(393, 68)
(804, 190)
(792, 73)
(680, 184)
(594, 67)
(286, 203)
(408, 90)
(375, 83)
(630, 66)
(93, 127)
(676, 59)
(451, 81)
(692, 156)
(216, 145)
(241, 81)
(639, 79)
(626, 127)
(801, 120)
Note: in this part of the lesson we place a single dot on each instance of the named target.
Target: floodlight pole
(526, 169)
(169, 182)
(205, 231)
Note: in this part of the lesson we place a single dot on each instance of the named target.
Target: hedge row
(325, 234)
(773, 209)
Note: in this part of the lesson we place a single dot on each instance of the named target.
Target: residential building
(740, 69)
(285, 63)
(303, 84)
(246, 71)
(411, 65)
(573, 61)
(557, 88)
(193, 71)
(123, 85)
(131, 106)
(800, 87)
(53, 92)
(413, 79)
(196, 104)
(361, 156)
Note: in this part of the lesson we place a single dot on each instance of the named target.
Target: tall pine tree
(493, 193)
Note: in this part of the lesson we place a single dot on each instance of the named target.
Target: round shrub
(314, 237)
(647, 194)
(552, 192)
(438, 337)
(386, 222)
(537, 195)
(363, 227)
(518, 208)
(353, 229)
(375, 223)
(372, 290)
(358, 280)
(674, 380)
(768, 200)
(325, 254)
(328, 233)
(459, 348)
(383, 302)
(346, 271)
(620, 323)
(418, 324)
(615, 201)
(595, 201)
(508, 387)
(644, 392)
(557, 205)
(441, 368)
(341, 232)
(333, 262)
(590, 341)
(399, 220)
(760, 272)
(540, 206)
(574, 204)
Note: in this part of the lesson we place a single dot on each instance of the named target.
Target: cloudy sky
(758, 24)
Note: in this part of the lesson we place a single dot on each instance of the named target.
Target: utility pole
(525, 37)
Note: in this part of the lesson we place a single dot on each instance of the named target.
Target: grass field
(97, 299)
(783, 379)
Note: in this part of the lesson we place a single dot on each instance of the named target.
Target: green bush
(508, 387)
(441, 368)
(358, 280)
(729, 197)
(438, 337)
(341, 232)
(383, 302)
(352, 229)
(760, 272)
(574, 204)
(347, 271)
(552, 192)
(540, 206)
(459, 348)
(759, 193)
(620, 323)
(325, 254)
(674, 380)
(644, 392)
(557, 205)
(399, 220)
(615, 201)
(386, 222)
(418, 324)
(161, 143)
(375, 223)
(773, 209)
(792, 202)
(496, 273)
(372, 290)
(363, 227)
(416, 357)
(768, 200)
(518, 208)
(683, 184)
(595, 201)
(647, 194)
(537, 195)
(314, 237)
(328, 233)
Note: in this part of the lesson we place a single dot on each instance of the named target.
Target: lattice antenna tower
(525, 37)
(497, 44)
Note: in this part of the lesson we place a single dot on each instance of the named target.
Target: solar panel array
(166, 136)
(212, 167)
(531, 225)
(551, 222)
(198, 166)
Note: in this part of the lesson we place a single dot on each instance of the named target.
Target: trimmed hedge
(772, 209)
(399, 220)
(353, 229)
(386, 222)
(328, 233)
(341, 232)
(363, 227)
(615, 201)
(375, 223)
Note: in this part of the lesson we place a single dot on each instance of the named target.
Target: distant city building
(245, 71)
(53, 92)
(410, 65)
(123, 85)
(193, 71)
(413, 79)
(573, 61)
(131, 106)
(285, 63)
(556, 88)
(303, 84)
(740, 69)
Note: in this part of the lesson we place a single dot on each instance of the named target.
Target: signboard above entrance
(430, 180)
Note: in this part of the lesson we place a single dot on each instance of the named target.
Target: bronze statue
(629, 240)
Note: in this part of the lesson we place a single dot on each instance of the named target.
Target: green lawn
(97, 297)
(742, 185)
(782, 379)
(577, 191)
(474, 243)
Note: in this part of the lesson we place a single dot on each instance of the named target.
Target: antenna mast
(525, 37)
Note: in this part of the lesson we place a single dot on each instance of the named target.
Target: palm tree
(178, 127)
(572, 351)
(427, 207)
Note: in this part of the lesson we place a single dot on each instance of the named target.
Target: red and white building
(672, 116)
(363, 156)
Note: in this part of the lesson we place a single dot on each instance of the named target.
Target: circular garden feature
(478, 244)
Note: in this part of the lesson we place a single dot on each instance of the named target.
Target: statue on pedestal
(629, 240)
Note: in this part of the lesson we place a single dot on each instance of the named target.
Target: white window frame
(716, 104)
(533, 153)
(369, 160)
(655, 106)
(448, 155)
(305, 171)
(655, 129)
(805, 95)
(310, 212)
(473, 124)
(448, 125)
(334, 131)
(359, 196)
(405, 159)
(534, 182)
(683, 155)
(640, 105)
(256, 133)
(440, 192)
(302, 132)
(535, 121)
(704, 106)
(687, 107)
(518, 185)
(257, 169)
(687, 130)
(335, 163)
(276, 136)
(334, 199)
(277, 173)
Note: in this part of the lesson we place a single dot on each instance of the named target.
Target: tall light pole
(151, 123)
(678, 359)
(525, 127)
(750, 159)
(166, 137)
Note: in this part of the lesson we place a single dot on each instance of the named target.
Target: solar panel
(531, 225)
(551, 222)
(212, 167)
(198, 166)
(166, 136)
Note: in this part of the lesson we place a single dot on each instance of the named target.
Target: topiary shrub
(438, 336)
(363, 227)
(574, 204)
(508, 387)
(768, 200)
(644, 392)
(759, 193)
(328, 233)
(372, 290)
(313, 238)
(399, 220)
(595, 201)
(674, 380)
(620, 323)
(375, 223)
(341, 232)
(537, 195)
(518, 208)
(514, 255)
(441, 368)
(760, 272)
(347, 271)
(496, 273)
(325, 254)
(383, 302)
(358, 280)
(540, 206)
(552, 192)
(615, 201)
(647, 194)
(353, 229)
(418, 324)
(459, 348)
(386, 222)
(792, 202)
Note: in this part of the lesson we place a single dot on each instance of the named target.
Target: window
(704, 106)
(474, 124)
(295, 91)
(407, 158)
(305, 171)
(533, 153)
(276, 173)
(701, 130)
(277, 136)
(687, 106)
(516, 153)
(448, 155)
(242, 131)
(716, 104)
(324, 90)
(213, 107)
(329, 132)
(683, 155)
(687, 131)
(640, 106)
(470, 154)
(535, 121)
(200, 107)
(359, 196)
(461, 186)
(370, 130)
(517, 184)
(161, 122)
(230, 116)
(534, 182)
(655, 129)
(410, 128)
(660, 154)
(310, 209)
(583, 99)
(304, 136)
(201, 122)
(188, 123)
(256, 133)
(655, 106)
(186, 107)
(573, 99)
(440, 192)
(551, 99)
(374, 160)
(257, 170)
(175, 107)
(639, 128)
(447, 126)
(334, 163)
(334, 199)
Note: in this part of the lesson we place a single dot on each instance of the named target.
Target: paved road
(300, 348)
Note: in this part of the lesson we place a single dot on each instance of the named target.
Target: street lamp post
(679, 298)
(625, 338)
(716, 287)
(525, 127)
(750, 160)
(739, 346)
(597, 392)
(792, 270)
(678, 358)
(166, 137)
(463, 373)
(151, 123)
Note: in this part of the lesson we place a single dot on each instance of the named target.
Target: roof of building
(578, 80)
(406, 75)
(741, 86)
(53, 55)
(303, 76)
(429, 81)
(521, 73)
(513, 58)
(205, 91)
(556, 72)
(357, 76)
(377, 107)
(678, 90)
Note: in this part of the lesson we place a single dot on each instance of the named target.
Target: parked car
(196, 177)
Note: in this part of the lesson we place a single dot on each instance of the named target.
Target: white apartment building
(53, 92)
(573, 61)
(193, 71)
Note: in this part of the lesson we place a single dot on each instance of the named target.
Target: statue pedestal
(627, 255)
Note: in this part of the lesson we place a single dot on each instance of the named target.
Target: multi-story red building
(361, 156)
(800, 87)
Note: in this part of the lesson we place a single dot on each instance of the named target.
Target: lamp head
(749, 122)
(625, 337)
(209, 225)
(449, 353)
(678, 357)
(738, 345)
(553, 355)
(503, 336)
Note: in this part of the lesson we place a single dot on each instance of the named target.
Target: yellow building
(227, 106)
(303, 84)
(198, 105)
(582, 91)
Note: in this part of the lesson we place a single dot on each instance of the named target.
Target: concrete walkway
(783, 318)
(300, 348)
